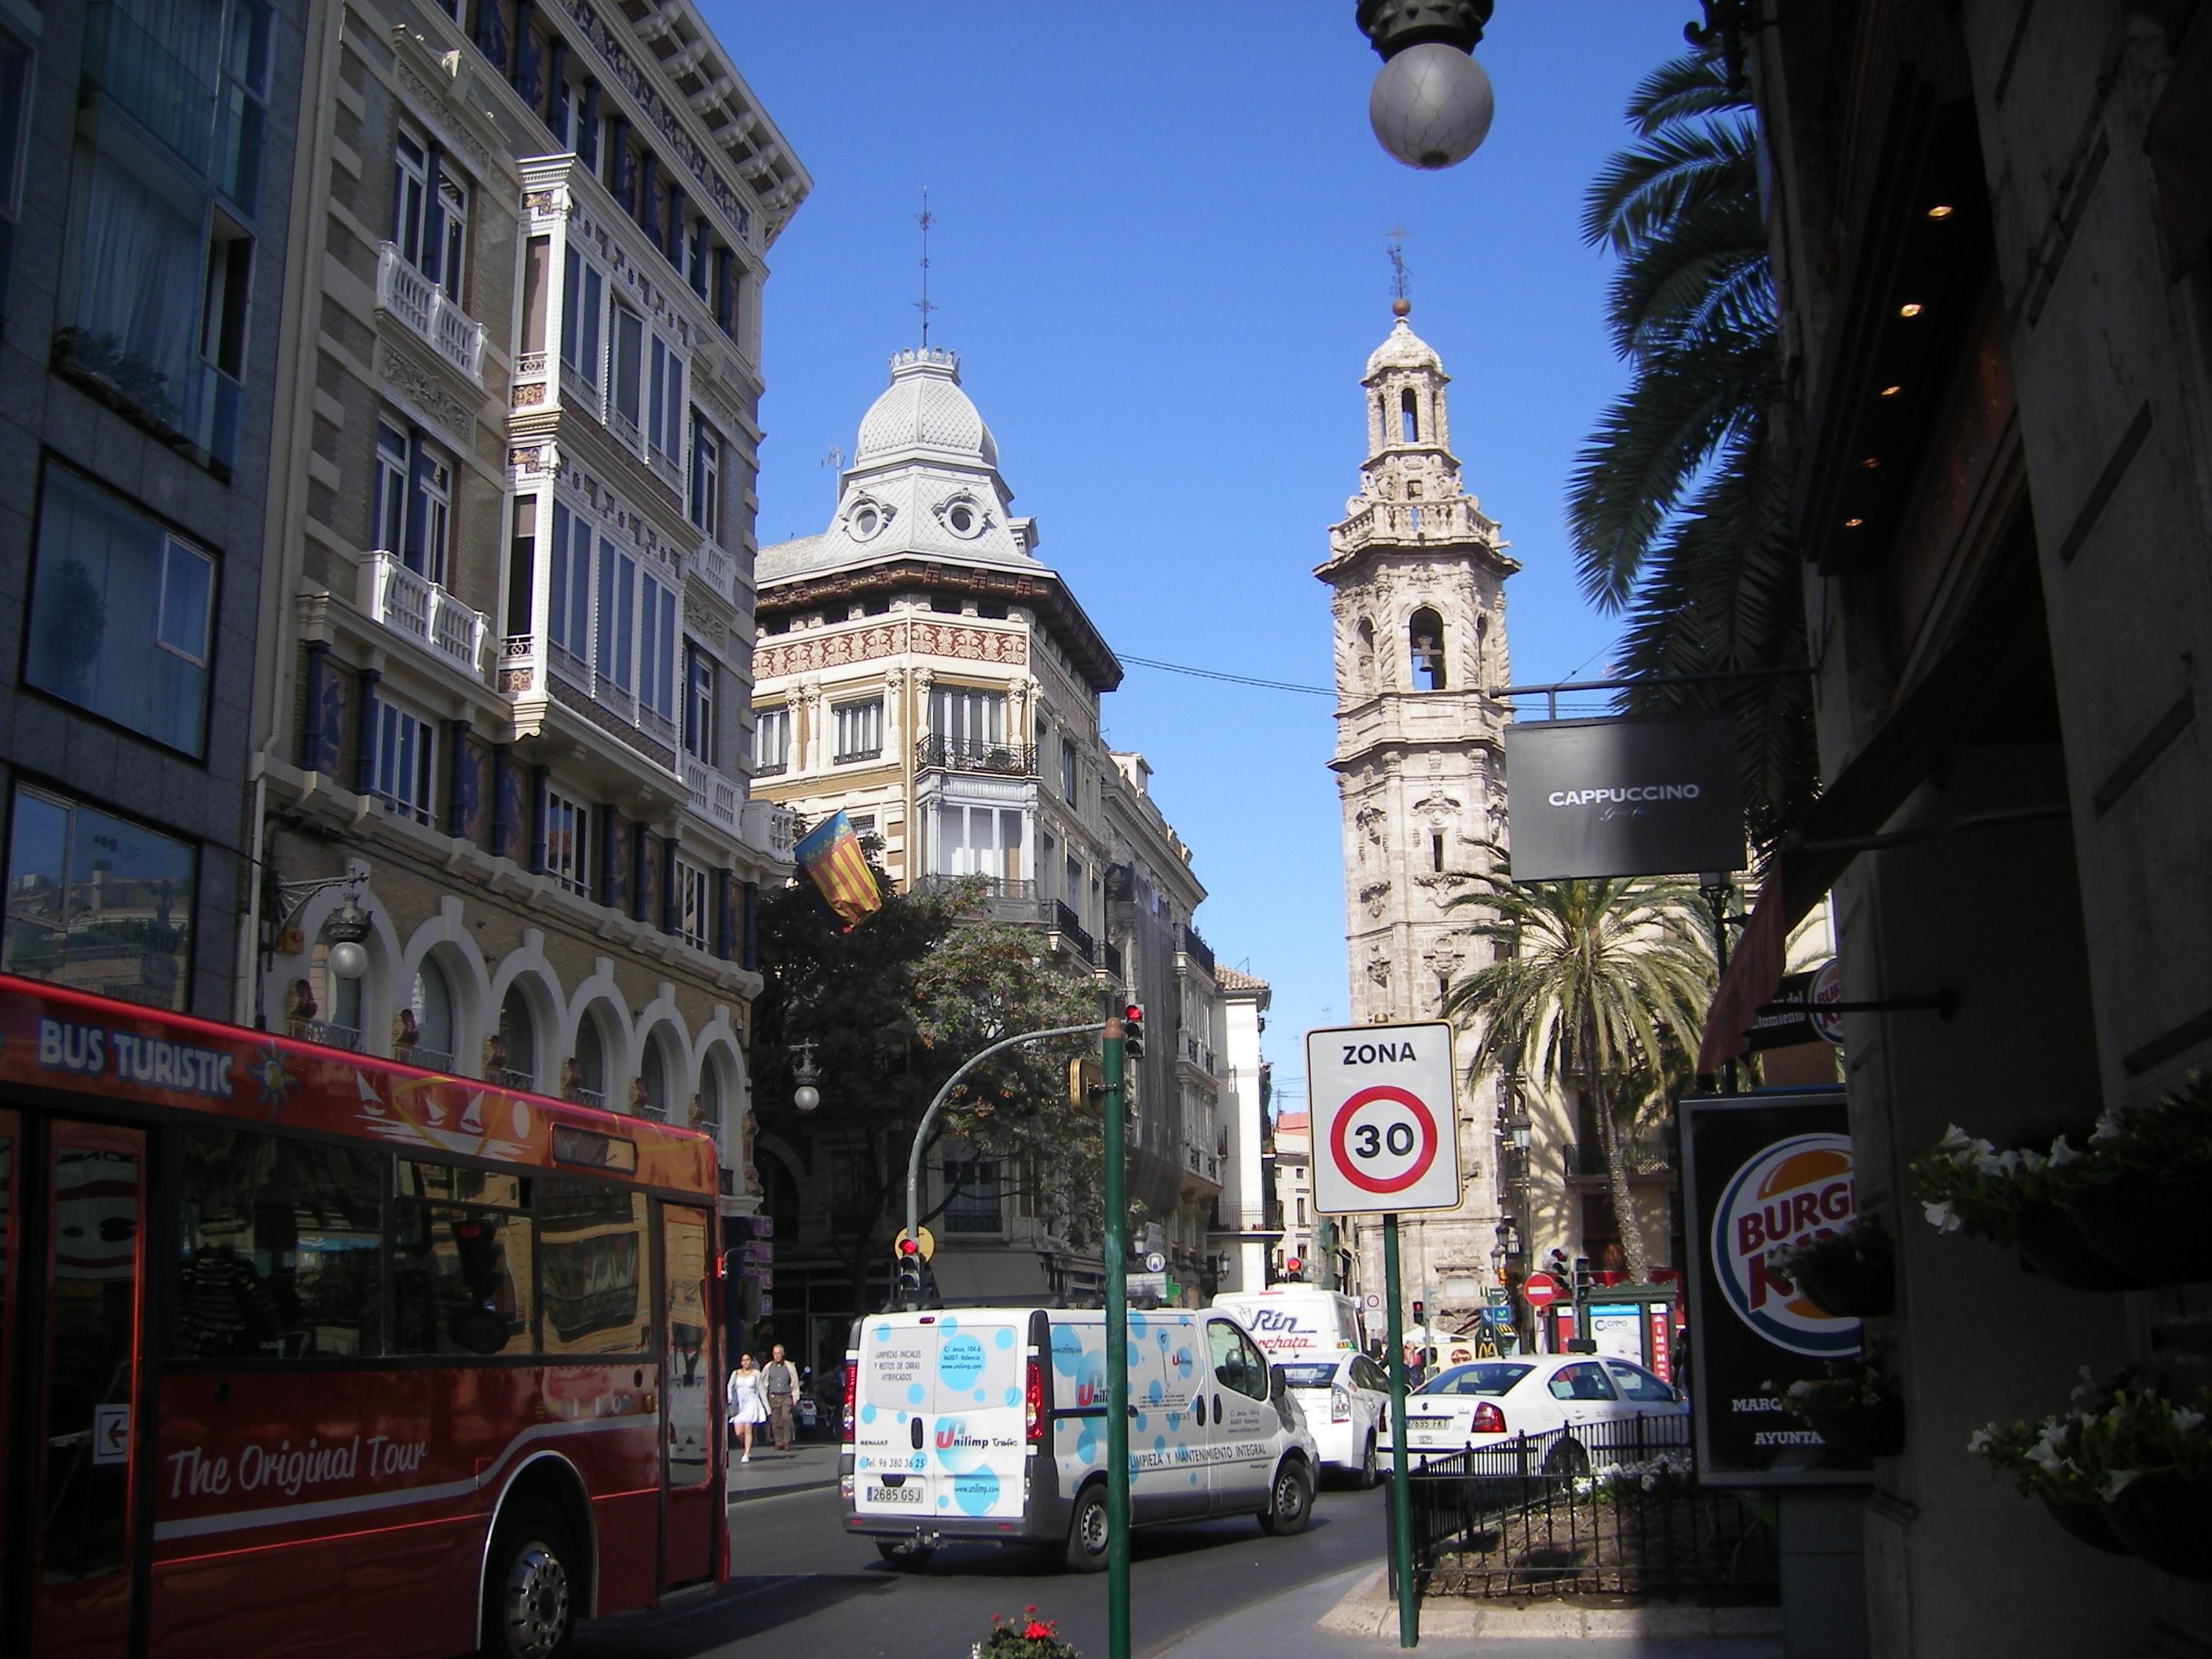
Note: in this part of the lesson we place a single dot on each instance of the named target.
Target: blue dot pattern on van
(1067, 1350)
(975, 1492)
(1152, 1391)
(883, 1332)
(1013, 1396)
(1137, 1327)
(867, 1413)
(913, 1394)
(978, 1396)
(1004, 1338)
(959, 1363)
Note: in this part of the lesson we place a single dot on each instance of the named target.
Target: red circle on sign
(1422, 1159)
(1539, 1289)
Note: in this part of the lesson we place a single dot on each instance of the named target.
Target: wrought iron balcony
(1005, 759)
(1585, 1159)
(1196, 949)
(426, 613)
(405, 293)
(1064, 924)
(1111, 958)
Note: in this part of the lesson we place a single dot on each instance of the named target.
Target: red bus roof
(51, 1037)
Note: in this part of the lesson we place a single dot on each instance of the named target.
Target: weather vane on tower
(924, 219)
(1400, 305)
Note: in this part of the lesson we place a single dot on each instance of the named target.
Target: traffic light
(1294, 1268)
(909, 1271)
(1132, 1030)
(1417, 1313)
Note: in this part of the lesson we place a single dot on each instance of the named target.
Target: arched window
(653, 1072)
(433, 1003)
(518, 1036)
(710, 1094)
(1366, 652)
(1409, 416)
(591, 1062)
(1425, 633)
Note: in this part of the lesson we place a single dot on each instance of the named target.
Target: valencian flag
(830, 855)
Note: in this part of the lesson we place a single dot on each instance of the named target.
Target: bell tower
(1417, 577)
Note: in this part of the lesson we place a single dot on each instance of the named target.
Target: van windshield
(1491, 1378)
(1308, 1377)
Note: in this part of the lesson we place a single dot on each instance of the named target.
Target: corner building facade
(508, 631)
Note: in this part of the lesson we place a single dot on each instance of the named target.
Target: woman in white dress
(746, 1406)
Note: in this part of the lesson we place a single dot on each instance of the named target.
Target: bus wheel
(904, 1553)
(530, 1591)
(1289, 1500)
(1086, 1530)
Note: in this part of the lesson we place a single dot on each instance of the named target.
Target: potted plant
(2152, 1165)
(2019, 1197)
(2047, 1460)
(2146, 1457)
(1852, 1274)
(1026, 1638)
(1855, 1408)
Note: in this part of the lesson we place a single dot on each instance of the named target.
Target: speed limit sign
(1383, 1134)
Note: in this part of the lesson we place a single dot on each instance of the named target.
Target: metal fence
(1599, 1508)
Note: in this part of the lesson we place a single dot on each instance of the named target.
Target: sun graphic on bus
(276, 1083)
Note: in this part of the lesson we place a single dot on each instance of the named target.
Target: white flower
(1991, 1162)
(2185, 1419)
(2108, 1126)
(1955, 1140)
(1978, 1440)
(2029, 1159)
(2115, 1483)
(2061, 1154)
(1941, 1217)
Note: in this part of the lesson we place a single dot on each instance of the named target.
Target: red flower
(1031, 1607)
(1036, 1630)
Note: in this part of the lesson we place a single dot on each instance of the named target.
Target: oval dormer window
(962, 518)
(865, 521)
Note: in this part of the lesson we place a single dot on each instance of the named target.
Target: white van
(1313, 1334)
(1296, 1321)
(990, 1424)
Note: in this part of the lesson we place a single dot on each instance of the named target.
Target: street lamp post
(1430, 105)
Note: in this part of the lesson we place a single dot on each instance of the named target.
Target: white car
(1346, 1399)
(1491, 1401)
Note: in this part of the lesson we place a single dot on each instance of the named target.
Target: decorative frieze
(822, 649)
(421, 391)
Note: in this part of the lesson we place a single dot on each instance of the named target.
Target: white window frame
(388, 534)
(437, 514)
(567, 831)
(656, 649)
(405, 769)
(665, 404)
(694, 904)
(859, 726)
(698, 702)
(622, 320)
(771, 741)
(706, 478)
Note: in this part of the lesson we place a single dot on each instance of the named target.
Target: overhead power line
(1234, 679)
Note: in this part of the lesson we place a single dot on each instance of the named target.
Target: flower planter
(1860, 1436)
(2155, 1227)
(2168, 1523)
(1847, 1288)
(2051, 1245)
(2088, 1523)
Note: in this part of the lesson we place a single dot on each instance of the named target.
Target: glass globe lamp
(1431, 106)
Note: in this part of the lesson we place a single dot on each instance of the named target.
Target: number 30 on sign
(1383, 1118)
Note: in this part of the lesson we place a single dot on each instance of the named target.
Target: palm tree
(1601, 986)
(1678, 506)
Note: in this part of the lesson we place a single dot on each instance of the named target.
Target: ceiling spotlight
(1889, 391)
(1910, 308)
(1853, 524)
(1871, 462)
(1941, 211)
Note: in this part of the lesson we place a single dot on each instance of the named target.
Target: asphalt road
(799, 1586)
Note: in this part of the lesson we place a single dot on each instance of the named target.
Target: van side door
(1243, 1426)
(1165, 1372)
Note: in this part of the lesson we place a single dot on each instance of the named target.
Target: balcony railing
(772, 828)
(1456, 518)
(590, 1098)
(1006, 759)
(508, 1078)
(1586, 1159)
(1111, 958)
(430, 1060)
(527, 660)
(1201, 1162)
(1196, 949)
(405, 293)
(712, 796)
(1064, 923)
(1198, 1054)
(414, 605)
(717, 567)
(329, 1034)
(1005, 899)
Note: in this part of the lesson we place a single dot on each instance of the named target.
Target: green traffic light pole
(1116, 1248)
(929, 1117)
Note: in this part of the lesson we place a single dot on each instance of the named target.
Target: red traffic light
(909, 1247)
(1294, 1265)
(1133, 1014)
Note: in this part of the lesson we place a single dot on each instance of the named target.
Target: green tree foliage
(894, 1007)
(1679, 504)
(1601, 987)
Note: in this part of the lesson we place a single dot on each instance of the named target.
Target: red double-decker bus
(306, 1352)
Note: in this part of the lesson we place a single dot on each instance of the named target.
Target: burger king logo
(1795, 1189)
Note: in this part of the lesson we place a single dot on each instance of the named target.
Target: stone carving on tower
(1416, 576)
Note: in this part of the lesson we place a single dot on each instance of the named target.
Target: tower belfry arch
(1417, 575)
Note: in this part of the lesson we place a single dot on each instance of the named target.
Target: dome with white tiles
(924, 414)
(1402, 348)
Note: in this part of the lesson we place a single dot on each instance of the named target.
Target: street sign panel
(1371, 1301)
(1385, 1136)
(1539, 1291)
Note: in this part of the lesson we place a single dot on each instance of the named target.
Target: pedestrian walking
(743, 1399)
(780, 1383)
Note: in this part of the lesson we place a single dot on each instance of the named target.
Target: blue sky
(1159, 251)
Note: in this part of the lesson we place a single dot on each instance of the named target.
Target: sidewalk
(808, 1464)
(1352, 1616)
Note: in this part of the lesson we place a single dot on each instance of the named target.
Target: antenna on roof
(834, 460)
(1400, 305)
(925, 219)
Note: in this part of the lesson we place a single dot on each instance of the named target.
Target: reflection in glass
(591, 1244)
(97, 903)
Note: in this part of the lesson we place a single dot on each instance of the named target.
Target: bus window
(277, 1247)
(460, 1281)
(443, 1181)
(593, 1264)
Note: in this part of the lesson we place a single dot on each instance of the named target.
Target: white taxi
(1488, 1402)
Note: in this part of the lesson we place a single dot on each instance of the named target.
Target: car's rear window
(1309, 1377)
(1486, 1378)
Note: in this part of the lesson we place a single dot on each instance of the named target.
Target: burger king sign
(1793, 1190)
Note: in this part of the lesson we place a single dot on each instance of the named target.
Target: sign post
(1386, 1138)
(1116, 1249)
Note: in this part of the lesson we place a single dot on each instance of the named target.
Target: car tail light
(1339, 1404)
(1488, 1419)
(1033, 1404)
(845, 1422)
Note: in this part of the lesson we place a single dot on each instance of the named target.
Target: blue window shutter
(750, 962)
(540, 785)
(699, 257)
(669, 910)
(625, 165)
(587, 141)
(502, 826)
(460, 779)
(648, 200)
(490, 33)
(725, 893)
(314, 675)
(724, 295)
(364, 760)
(418, 502)
(525, 78)
(673, 246)
(609, 831)
(557, 91)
